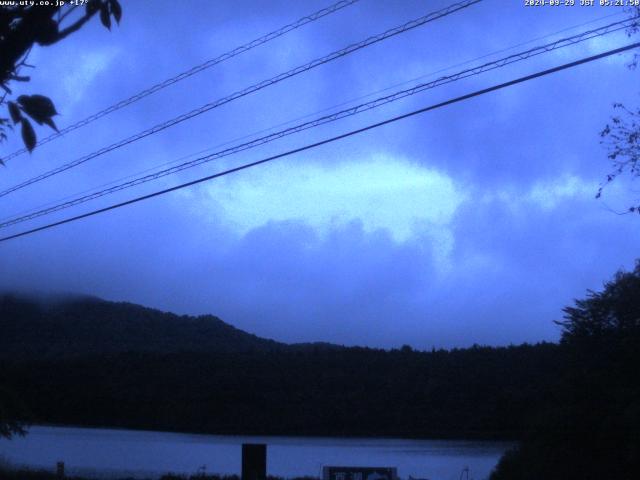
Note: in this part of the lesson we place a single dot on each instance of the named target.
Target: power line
(192, 71)
(254, 88)
(302, 117)
(326, 109)
(329, 140)
(517, 57)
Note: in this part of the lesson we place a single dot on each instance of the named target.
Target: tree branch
(74, 27)
(64, 15)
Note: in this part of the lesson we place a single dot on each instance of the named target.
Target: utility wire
(289, 122)
(517, 57)
(192, 71)
(330, 140)
(308, 115)
(254, 88)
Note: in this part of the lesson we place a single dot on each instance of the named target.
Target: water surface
(103, 452)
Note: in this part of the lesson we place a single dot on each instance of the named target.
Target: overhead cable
(348, 112)
(249, 90)
(192, 71)
(328, 140)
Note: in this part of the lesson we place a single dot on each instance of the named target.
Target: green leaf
(104, 15)
(38, 107)
(116, 10)
(28, 135)
(14, 111)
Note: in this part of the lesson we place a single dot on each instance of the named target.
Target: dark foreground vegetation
(29, 474)
(479, 392)
(575, 406)
(590, 427)
(8, 473)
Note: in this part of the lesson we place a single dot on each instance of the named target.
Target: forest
(574, 406)
(91, 362)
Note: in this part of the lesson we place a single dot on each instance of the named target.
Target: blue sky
(475, 223)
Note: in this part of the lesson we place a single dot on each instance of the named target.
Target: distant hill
(85, 361)
(67, 325)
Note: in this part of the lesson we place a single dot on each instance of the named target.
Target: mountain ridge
(98, 363)
(73, 325)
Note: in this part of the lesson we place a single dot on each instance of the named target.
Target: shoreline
(451, 436)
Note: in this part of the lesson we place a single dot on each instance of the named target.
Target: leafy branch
(621, 136)
(22, 27)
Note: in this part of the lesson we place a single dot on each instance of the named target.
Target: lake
(104, 453)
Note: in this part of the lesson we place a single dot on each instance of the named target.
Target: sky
(472, 223)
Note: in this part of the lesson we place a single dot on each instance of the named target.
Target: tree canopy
(589, 428)
(613, 312)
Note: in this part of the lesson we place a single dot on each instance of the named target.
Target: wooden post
(254, 461)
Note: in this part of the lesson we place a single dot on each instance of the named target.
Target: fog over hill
(61, 325)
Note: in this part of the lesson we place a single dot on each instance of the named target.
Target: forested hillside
(90, 362)
(57, 327)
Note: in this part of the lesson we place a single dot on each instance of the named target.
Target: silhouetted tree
(22, 27)
(591, 429)
(612, 313)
